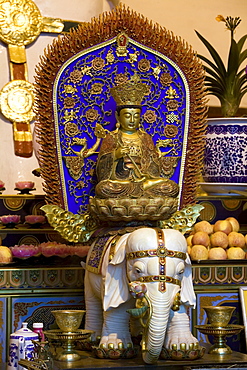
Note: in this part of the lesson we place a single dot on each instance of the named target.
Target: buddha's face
(129, 119)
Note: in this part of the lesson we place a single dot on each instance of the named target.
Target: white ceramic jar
(21, 346)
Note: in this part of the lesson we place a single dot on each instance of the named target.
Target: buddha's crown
(130, 92)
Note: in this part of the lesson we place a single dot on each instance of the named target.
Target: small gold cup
(68, 320)
(219, 316)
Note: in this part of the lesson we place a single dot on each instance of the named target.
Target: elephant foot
(115, 353)
(192, 353)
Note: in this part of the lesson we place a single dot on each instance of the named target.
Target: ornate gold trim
(154, 253)
(17, 54)
(14, 204)
(110, 243)
(160, 278)
(20, 22)
(16, 101)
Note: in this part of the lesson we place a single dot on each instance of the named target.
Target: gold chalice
(68, 320)
(67, 335)
(219, 317)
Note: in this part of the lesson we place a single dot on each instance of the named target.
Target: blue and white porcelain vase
(21, 347)
(225, 159)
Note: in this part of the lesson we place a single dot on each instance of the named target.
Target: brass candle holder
(67, 335)
(219, 317)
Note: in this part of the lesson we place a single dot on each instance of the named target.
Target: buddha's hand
(121, 152)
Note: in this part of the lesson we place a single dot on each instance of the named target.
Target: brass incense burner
(219, 328)
(63, 340)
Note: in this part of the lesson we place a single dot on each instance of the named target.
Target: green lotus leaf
(137, 312)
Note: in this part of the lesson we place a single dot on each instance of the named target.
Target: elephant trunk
(154, 335)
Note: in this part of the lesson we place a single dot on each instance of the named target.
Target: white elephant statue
(150, 261)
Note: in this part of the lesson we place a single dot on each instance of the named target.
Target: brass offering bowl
(219, 316)
(219, 328)
(63, 340)
(68, 321)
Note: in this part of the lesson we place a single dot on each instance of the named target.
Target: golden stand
(220, 333)
(68, 341)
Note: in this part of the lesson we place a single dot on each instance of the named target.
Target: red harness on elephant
(162, 252)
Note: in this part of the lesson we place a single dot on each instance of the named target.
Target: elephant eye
(180, 269)
(138, 267)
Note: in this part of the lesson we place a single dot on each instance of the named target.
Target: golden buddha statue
(130, 191)
(128, 162)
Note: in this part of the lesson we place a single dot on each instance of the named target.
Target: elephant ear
(116, 289)
(188, 296)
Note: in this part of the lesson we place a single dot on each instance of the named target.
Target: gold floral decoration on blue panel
(85, 110)
(73, 83)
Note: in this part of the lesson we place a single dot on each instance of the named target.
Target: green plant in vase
(227, 83)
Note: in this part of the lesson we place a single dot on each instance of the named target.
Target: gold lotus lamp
(68, 321)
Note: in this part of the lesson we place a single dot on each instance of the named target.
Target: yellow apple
(5, 254)
(219, 239)
(235, 253)
(223, 225)
(236, 239)
(201, 237)
(198, 252)
(204, 226)
(234, 222)
(217, 253)
(189, 240)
